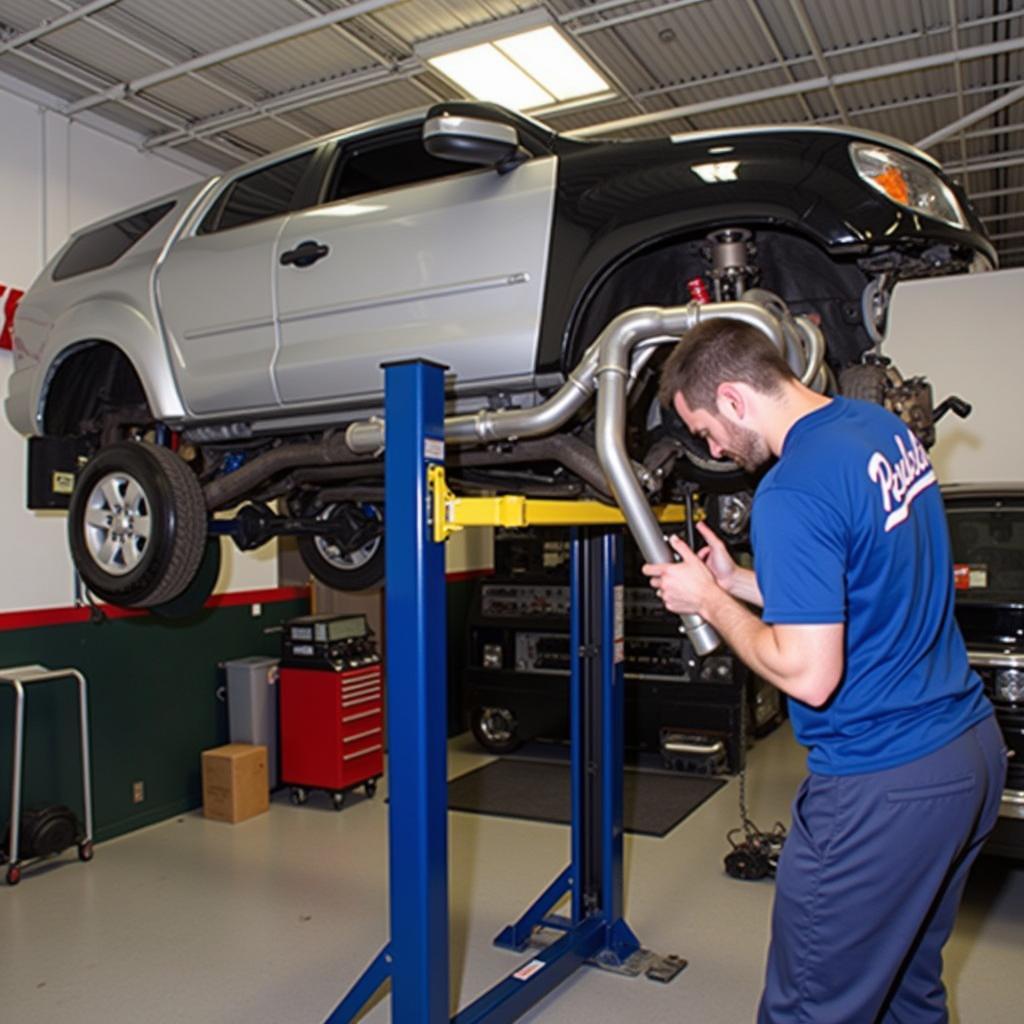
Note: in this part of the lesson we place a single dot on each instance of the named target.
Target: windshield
(988, 553)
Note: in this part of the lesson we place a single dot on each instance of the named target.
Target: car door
(412, 256)
(215, 290)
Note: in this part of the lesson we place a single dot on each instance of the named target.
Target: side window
(380, 164)
(105, 245)
(258, 195)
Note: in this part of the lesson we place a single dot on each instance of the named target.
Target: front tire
(137, 525)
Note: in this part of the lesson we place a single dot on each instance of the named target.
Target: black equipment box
(330, 641)
(686, 709)
(53, 465)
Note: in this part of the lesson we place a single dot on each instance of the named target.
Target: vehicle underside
(328, 483)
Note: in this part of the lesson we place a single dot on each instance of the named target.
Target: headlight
(907, 182)
(1009, 685)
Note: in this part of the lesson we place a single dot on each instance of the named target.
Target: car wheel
(495, 729)
(335, 566)
(865, 382)
(137, 524)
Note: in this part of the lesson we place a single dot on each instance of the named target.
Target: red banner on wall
(9, 299)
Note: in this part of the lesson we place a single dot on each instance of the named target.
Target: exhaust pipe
(606, 367)
(616, 343)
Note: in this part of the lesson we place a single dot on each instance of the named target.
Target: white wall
(55, 177)
(966, 335)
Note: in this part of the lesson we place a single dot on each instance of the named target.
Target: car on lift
(216, 346)
(986, 528)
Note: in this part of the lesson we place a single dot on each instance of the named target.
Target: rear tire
(137, 525)
(355, 570)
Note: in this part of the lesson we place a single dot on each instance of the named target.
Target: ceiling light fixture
(523, 63)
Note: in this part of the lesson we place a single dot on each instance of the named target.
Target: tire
(865, 382)
(124, 485)
(192, 599)
(495, 729)
(356, 571)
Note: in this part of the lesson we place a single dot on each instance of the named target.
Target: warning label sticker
(433, 448)
(970, 577)
(527, 971)
(620, 624)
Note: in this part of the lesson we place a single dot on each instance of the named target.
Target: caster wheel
(298, 796)
(13, 875)
(338, 799)
(370, 788)
(85, 850)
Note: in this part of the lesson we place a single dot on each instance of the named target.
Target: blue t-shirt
(849, 526)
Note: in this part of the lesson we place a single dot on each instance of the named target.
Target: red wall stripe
(37, 617)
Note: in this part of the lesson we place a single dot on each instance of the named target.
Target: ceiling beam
(1011, 159)
(1003, 216)
(46, 27)
(997, 193)
(811, 85)
(301, 28)
(1006, 100)
(800, 13)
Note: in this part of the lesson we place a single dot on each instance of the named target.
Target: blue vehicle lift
(416, 960)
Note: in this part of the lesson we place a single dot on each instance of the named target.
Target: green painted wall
(153, 708)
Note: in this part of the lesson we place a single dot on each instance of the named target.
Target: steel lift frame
(421, 514)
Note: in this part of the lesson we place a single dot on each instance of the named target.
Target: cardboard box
(235, 785)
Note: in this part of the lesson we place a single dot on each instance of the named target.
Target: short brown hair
(718, 351)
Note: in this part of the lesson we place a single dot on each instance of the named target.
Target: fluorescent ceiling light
(484, 72)
(549, 58)
(523, 71)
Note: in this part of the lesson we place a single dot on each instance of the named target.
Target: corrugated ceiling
(268, 75)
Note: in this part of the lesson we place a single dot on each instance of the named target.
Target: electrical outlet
(138, 792)
(257, 610)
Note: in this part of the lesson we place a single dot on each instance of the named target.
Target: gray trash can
(252, 705)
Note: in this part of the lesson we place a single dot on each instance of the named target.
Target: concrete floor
(269, 921)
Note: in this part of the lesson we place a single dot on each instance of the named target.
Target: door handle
(304, 254)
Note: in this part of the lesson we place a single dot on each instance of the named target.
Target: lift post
(417, 958)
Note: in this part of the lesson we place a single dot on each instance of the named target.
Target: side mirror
(473, 140)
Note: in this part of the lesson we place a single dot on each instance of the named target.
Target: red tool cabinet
(332, 730)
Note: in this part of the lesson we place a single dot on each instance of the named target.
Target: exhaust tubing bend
(606, 362)
(616, 343)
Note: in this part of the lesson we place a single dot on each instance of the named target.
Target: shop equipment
(332, 712)
(53, 829)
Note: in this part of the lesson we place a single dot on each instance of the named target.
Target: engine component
(730, 253)
(878, 381)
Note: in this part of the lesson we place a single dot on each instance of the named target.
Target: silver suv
(212, 348)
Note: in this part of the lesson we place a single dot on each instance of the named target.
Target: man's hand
(716, 557)
(683, 586)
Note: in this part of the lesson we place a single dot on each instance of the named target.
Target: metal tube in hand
(615, 345)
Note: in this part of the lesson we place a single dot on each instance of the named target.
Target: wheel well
(791, 265)
(94, 379)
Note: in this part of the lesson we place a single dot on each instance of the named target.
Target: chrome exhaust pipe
(616, 343)
(609, 366)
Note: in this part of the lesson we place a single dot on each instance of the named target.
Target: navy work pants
(869, 883)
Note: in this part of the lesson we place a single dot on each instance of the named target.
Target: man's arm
(804, 661)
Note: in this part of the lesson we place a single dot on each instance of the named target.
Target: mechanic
(853, 572)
